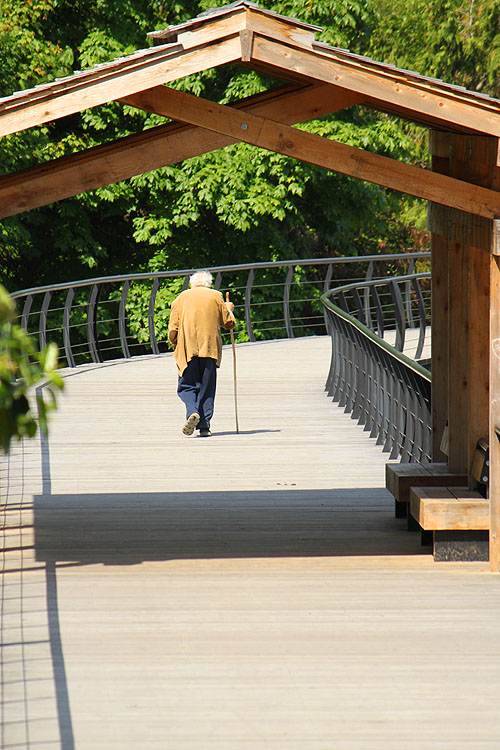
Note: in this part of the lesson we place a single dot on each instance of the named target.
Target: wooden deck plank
(243, 592)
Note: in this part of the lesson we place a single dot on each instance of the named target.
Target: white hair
(201, 278)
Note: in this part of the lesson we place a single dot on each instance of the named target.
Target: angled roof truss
(322, 79)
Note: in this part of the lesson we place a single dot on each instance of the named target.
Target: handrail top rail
(218, 269)
(377, 282)
(411, 363)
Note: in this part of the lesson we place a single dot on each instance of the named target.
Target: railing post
(151, 316)
(43, 319)
(26, 311)
(286, 302)
(122, 319)
(66, 327)
(421, 317)
(92, 337)
(248, 303)
(400, 315)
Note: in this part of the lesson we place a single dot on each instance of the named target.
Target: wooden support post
(494, 452)
(482, 158)
(439, 144)
(471, 307)
(494, 483)
(458, 359)
(460, 311)
(458, 321)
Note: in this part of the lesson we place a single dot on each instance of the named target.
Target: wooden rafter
(265, 41)
(79, 93)
(415, 98)
(154, 148)
(214, 126)
(281, 138)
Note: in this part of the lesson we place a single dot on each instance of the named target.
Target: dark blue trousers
(196, 388)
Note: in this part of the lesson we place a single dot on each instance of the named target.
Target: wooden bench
(400, 478)
(458, 519)
(450, 516)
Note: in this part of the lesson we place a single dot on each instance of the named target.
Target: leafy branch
(22, 367)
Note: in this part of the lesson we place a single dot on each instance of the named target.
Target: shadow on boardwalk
(130, 528)
(236, 593)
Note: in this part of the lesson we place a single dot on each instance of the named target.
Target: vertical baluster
(92, 337)
(408, 288)
(42, 329)
(399, 313)
(248, 303)
(422, 318)
(67, 327)
(286, 302)
(151, 315)
(122, 319)
(26, 312)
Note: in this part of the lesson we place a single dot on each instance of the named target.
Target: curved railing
(397, 309)
(388, 392)
(120, 316)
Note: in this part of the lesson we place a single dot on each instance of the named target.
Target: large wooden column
(466, 317)
(471, 159)
(494, 484)
(461, 245)
(439, 145)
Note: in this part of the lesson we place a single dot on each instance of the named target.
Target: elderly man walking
(196, 317)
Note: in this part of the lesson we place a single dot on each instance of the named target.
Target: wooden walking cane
(234, 373)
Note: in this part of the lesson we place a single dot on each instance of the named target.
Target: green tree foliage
(240, 203)
(22, 367)
(455, 40)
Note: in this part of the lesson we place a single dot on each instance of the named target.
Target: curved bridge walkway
(248, 591)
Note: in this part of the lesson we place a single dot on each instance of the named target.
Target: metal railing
(121, 316)
(388, 392)
(398, 308)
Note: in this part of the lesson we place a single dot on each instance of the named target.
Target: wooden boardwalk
(245, 592)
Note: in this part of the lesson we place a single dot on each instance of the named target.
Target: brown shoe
(191, 423)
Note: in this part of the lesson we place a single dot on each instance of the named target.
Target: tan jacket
(196, 317)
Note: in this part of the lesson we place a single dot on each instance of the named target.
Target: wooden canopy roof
(319, 79)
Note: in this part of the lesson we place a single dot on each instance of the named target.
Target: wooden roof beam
(136, 73)
(381, 170)
(256, 37)
(154, 148)
(411, 96)
(235, 18)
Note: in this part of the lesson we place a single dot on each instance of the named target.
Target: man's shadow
(240, 432)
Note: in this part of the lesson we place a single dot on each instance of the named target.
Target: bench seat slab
(449, 509)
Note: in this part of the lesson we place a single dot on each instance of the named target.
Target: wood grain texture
(153, 148)
(494, 348)
(439, 147)
(420, 99)
(400, 478)
(482, 158)
(323, 152)
(63, 99)
(236, 593)
(449, 509)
